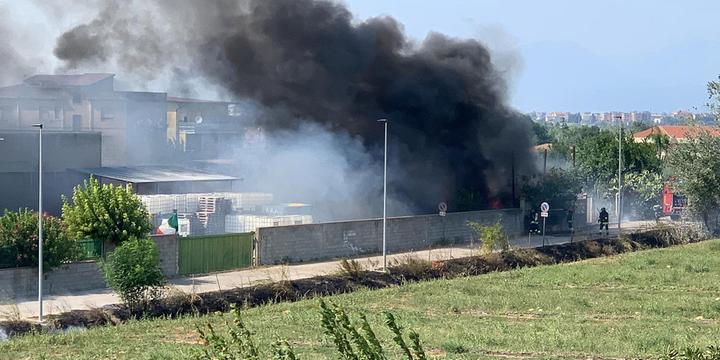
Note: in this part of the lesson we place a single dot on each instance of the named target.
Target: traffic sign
(442, 207)
(544, 207)
(442, 213)
(544, 214)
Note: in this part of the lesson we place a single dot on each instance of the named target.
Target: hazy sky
(582, 55)
(557, 54)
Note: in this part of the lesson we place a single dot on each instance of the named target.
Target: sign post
(544, 208)
(442, 207)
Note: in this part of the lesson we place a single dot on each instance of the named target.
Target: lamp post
(40, 227)
(384, 252)
(620, 164)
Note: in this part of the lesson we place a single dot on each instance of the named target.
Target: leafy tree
(661, 143)
(559, 188)
(133, 271)
(19, 241)
(597, 158)
(107, 212)
(542, 133)
(713, 89)
(641, 192)
(696, 165)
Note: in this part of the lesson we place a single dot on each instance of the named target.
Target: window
(44, 114)
(106, 114)
(77, 98)
(6, 114)
(58, 113)
(234, 110)
(77, 122)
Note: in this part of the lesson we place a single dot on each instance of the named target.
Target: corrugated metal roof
(152, 174)
(67, 80)
(198, 101)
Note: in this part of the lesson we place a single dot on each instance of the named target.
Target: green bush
(106, 212)
(19, 241)
(692, 353)
(133, 271)
(352, 341)
(491, 236)
(350, 269)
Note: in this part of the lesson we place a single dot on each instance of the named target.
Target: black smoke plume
(452, 136)
(15, 66)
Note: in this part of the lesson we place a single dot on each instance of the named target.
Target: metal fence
(91, 249)
(204, 254)
(7, 259)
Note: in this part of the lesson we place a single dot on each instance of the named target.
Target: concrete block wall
(21, 283)
(168, 246)
(299, 243)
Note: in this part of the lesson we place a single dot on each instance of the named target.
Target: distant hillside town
(611, 117)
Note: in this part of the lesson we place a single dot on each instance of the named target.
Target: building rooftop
(153, 174)
(67, 80)
(676, 131)
(195, 101)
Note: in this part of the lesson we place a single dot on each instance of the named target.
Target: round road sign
(442, 207)
(544, 207)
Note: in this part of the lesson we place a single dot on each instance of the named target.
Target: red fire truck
(673, 203)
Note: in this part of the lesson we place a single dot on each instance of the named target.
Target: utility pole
(514, 202)
(40, 227)
(620, 166)
(384, 249)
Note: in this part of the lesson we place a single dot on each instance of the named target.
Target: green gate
(204, 254)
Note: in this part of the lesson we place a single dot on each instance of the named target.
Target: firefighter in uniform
(604, 220)
(534, 225)
(658, 212)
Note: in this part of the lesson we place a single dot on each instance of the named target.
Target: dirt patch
(191, 338)
(408, 271)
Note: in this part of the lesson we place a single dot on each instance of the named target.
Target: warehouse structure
(63, 152)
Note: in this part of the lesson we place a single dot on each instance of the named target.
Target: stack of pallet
(206, 205)
(213, 206)
(237, 223)
(160, 204)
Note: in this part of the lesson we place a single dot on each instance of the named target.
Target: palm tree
(662, 143)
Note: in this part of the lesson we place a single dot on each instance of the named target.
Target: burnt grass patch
(411, 270)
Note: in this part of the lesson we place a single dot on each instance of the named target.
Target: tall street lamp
(620, 165)
(40, 227)
(384, 252)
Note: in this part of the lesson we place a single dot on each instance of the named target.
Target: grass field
(632, 305)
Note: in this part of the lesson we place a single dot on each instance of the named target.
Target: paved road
(84, 300)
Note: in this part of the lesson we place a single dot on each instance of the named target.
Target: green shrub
(106, 212)
(350, 269)
(352, 341)
(454, 348)
(491, 236)
(19, 241)
(133, 271)
(693, 353)
(410, 266)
